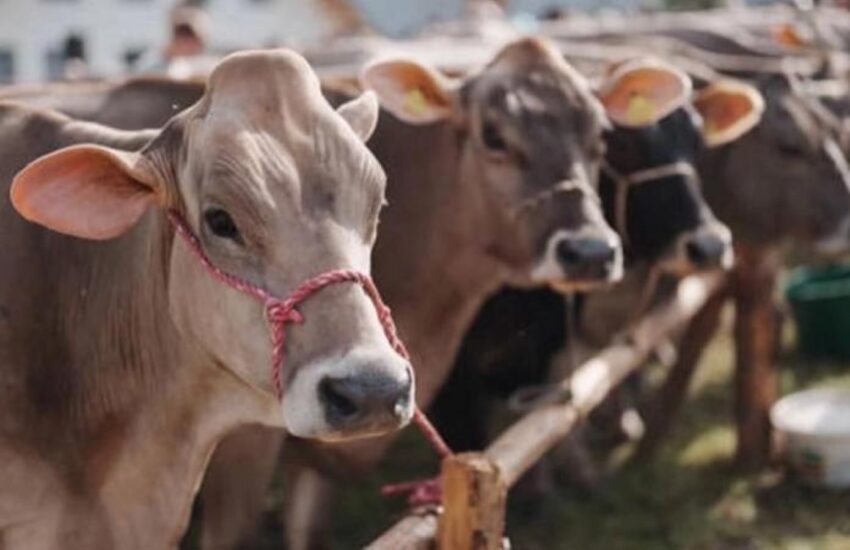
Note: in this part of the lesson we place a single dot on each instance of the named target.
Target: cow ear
(361, 114)
(643, 91)
(729, 109)
(412, 92)
(86, 191)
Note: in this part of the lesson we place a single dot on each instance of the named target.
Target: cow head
(529, 146)
(649, 187)
(786, 178)
(278, 187)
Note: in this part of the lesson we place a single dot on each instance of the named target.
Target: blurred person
(186, 54)
(74, 63)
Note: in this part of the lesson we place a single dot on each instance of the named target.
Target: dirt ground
(688, 498)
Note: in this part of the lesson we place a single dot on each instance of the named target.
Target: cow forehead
(268, 77)
(529, 80)
(268, 105)
(274, 90)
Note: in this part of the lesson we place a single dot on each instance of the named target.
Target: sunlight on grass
(709, 446)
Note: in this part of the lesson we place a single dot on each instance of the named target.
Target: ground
(688, 498)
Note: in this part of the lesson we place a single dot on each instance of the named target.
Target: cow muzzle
(578, 260)
(365, 393)
(704, 249)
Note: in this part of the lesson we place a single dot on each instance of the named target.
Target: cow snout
(592, 252)
(362, 393)
(707, 249)
(371, 400)
(588, 259)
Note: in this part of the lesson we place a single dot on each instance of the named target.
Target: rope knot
(283, 311)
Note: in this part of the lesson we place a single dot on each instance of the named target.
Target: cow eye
(492, 138)
(221, 224)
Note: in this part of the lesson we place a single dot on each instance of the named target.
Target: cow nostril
(568, 253)
(401, 406)
(705, 250)
(402, 402)
(333, 395)
(591, 251)
(695, 252)
(605, 252)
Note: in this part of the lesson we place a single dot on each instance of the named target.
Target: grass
(689, 497)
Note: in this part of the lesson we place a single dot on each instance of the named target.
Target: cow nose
(366, 403)
(589, 258)
(706, 250)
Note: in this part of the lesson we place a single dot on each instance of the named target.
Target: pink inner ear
(661, 89)
(82, 191)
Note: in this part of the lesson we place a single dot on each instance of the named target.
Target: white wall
(111, 27)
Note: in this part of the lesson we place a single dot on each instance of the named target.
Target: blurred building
(109, 37)
(400, 18)
(38, 36)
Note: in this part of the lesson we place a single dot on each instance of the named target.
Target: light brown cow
(498, 187)
(491, 181)
(122, 360)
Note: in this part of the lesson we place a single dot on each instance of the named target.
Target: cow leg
(306, 508)
(756, 381)
(235, 484)
(665, 405)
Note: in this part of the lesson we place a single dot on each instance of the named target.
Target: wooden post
(474, 498)
(756, 381)
(665, 405)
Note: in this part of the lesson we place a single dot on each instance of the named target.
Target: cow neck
(157, 474)
(433, 267)
(148, 407)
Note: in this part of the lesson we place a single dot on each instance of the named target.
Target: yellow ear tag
(640, 109)
(415, 102)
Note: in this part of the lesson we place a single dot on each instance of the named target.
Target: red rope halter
(281, 311)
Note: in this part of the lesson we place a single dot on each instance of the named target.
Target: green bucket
(820, 302)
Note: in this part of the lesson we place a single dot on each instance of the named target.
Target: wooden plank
(413, 532)
(474, 498)
(528, 439)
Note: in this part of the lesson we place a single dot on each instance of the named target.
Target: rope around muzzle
(624, 182)
(283, 311)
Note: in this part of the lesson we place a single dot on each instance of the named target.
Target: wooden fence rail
(475, 484)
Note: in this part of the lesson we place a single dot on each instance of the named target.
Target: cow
(786, 181)
(491, 181)
(658, 132)
(131, 104)
(142, 274)
(793, 147)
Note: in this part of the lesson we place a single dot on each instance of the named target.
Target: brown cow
(132, 104)
(122, 359)
(497, 189)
